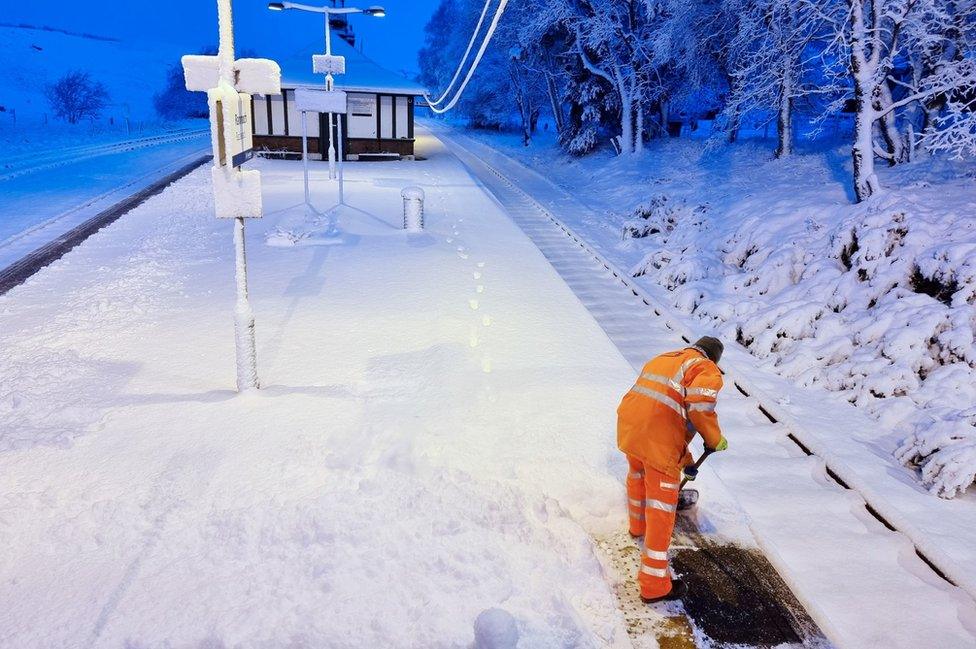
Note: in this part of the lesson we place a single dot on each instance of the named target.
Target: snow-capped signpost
(330, 101)
(229, 84)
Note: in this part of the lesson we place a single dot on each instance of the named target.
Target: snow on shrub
(945, 451)
(661, 215)
(582, 141)
(880, 304)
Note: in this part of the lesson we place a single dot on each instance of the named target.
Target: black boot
(678, 590)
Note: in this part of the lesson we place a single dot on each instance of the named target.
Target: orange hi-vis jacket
(652, 420)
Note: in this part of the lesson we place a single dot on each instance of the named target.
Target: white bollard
(413, 209)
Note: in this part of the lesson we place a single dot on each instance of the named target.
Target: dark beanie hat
(711, 347)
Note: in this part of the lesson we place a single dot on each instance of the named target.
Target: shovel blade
(687, 498)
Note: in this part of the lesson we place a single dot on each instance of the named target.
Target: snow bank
(877, 301)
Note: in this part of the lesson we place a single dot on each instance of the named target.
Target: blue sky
(189, 24)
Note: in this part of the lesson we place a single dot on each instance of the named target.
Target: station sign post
(229, 84)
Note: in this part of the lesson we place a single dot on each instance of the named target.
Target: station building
(378, 124)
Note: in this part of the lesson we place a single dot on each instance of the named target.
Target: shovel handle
(698, 463)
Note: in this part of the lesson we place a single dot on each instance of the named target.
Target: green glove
(723, 444)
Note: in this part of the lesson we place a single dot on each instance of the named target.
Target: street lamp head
(375, 10)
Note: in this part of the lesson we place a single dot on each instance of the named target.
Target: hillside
(34, 57)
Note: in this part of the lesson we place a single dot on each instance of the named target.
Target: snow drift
(878, 300)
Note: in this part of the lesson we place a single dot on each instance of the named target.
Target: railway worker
(673, 397)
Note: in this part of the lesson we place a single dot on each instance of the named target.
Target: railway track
(29, 163)
(20, 271)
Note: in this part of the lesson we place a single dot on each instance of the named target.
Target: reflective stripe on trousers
(653, 572)
(656, 498)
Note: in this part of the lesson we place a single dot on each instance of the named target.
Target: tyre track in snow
(856, 574)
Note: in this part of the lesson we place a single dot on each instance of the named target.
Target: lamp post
(376, 11)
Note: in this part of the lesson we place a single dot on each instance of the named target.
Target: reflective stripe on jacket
(673, 390)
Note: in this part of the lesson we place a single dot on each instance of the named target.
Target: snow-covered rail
(29, 163)
(17, 273)
(860, 576)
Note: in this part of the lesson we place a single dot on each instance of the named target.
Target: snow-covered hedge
(878, 300)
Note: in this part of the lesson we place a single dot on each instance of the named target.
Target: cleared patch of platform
(735, 596)
(735, 599)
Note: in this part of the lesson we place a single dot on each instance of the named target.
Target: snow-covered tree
(905, 66)
(879, 34)
(942, 86)
(504, 77)
(175, 102)
(77, 96)
(592, 109)
(609, 37)
(871, 40)
(777, 56)
(955, 129)
(692, 51)
(541, 44)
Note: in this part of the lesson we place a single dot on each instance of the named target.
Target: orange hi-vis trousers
(652, 502)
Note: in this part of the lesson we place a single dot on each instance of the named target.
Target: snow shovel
(688, 498)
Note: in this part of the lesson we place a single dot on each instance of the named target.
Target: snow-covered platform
(434, 437)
